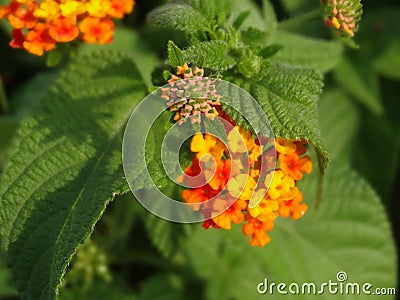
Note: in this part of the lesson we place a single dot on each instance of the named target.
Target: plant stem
(296, 21)
(4, 107)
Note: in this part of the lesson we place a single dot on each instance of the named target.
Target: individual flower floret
(232, 213)
(293, 207)
(280, 186)
(294, 166)
(258, 230)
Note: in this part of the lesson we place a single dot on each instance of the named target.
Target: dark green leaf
(214, 54)
(254, 37)
(388, 62)
(162, 287)
(167, 236)
(240, 19)
(307, 52)
(7, 289)
(64, 167)
(270, 51)
(175, 55)
(289, 96)
(339, 119)
(359, 81)
(130, 43)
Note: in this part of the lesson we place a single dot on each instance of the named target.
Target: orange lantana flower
(257, 229)
(97, 31)
(231, 212)
(38, 40)
(293, 207)
(120, 7)
(294, 166)
(64, 30)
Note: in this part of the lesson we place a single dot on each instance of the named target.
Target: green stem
(320, 190)
(296, 21)
(4, 107)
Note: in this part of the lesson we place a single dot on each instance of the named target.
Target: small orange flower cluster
(237, 180)
(343, 15)
(40, 25)
(230, 191)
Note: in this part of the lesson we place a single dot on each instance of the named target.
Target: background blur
(133, 255)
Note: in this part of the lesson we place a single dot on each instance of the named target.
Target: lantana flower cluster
(40, 25)
(243, 180)
(343, 15)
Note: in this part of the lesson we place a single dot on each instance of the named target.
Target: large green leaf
(128, 42)
(307, 52)
(358, 80)
(388, 62)
(289, 98)
(349, 232)
(339, 120)
(64, 167)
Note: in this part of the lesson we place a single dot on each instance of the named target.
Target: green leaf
(349, 232)
(115, 290)
(214, 54)
(54, 58)
(250, 64)
(270, 19)
(360, 82)
(144, 169)
(270, 51)
(242, 108)
(8, 126)
(130, 43)
(388, 63)
(162, 287)
(301, 51)
(30, 94)
(214, 12)
(254, 37)
(289, 96)
(175, 55)
(240, 19)
(64, 167)
(6, 287)
(166, 236)
(339, 120)
(369, 160)
(179, 16)
(255, 18)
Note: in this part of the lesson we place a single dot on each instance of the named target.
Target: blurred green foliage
(134, 255)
